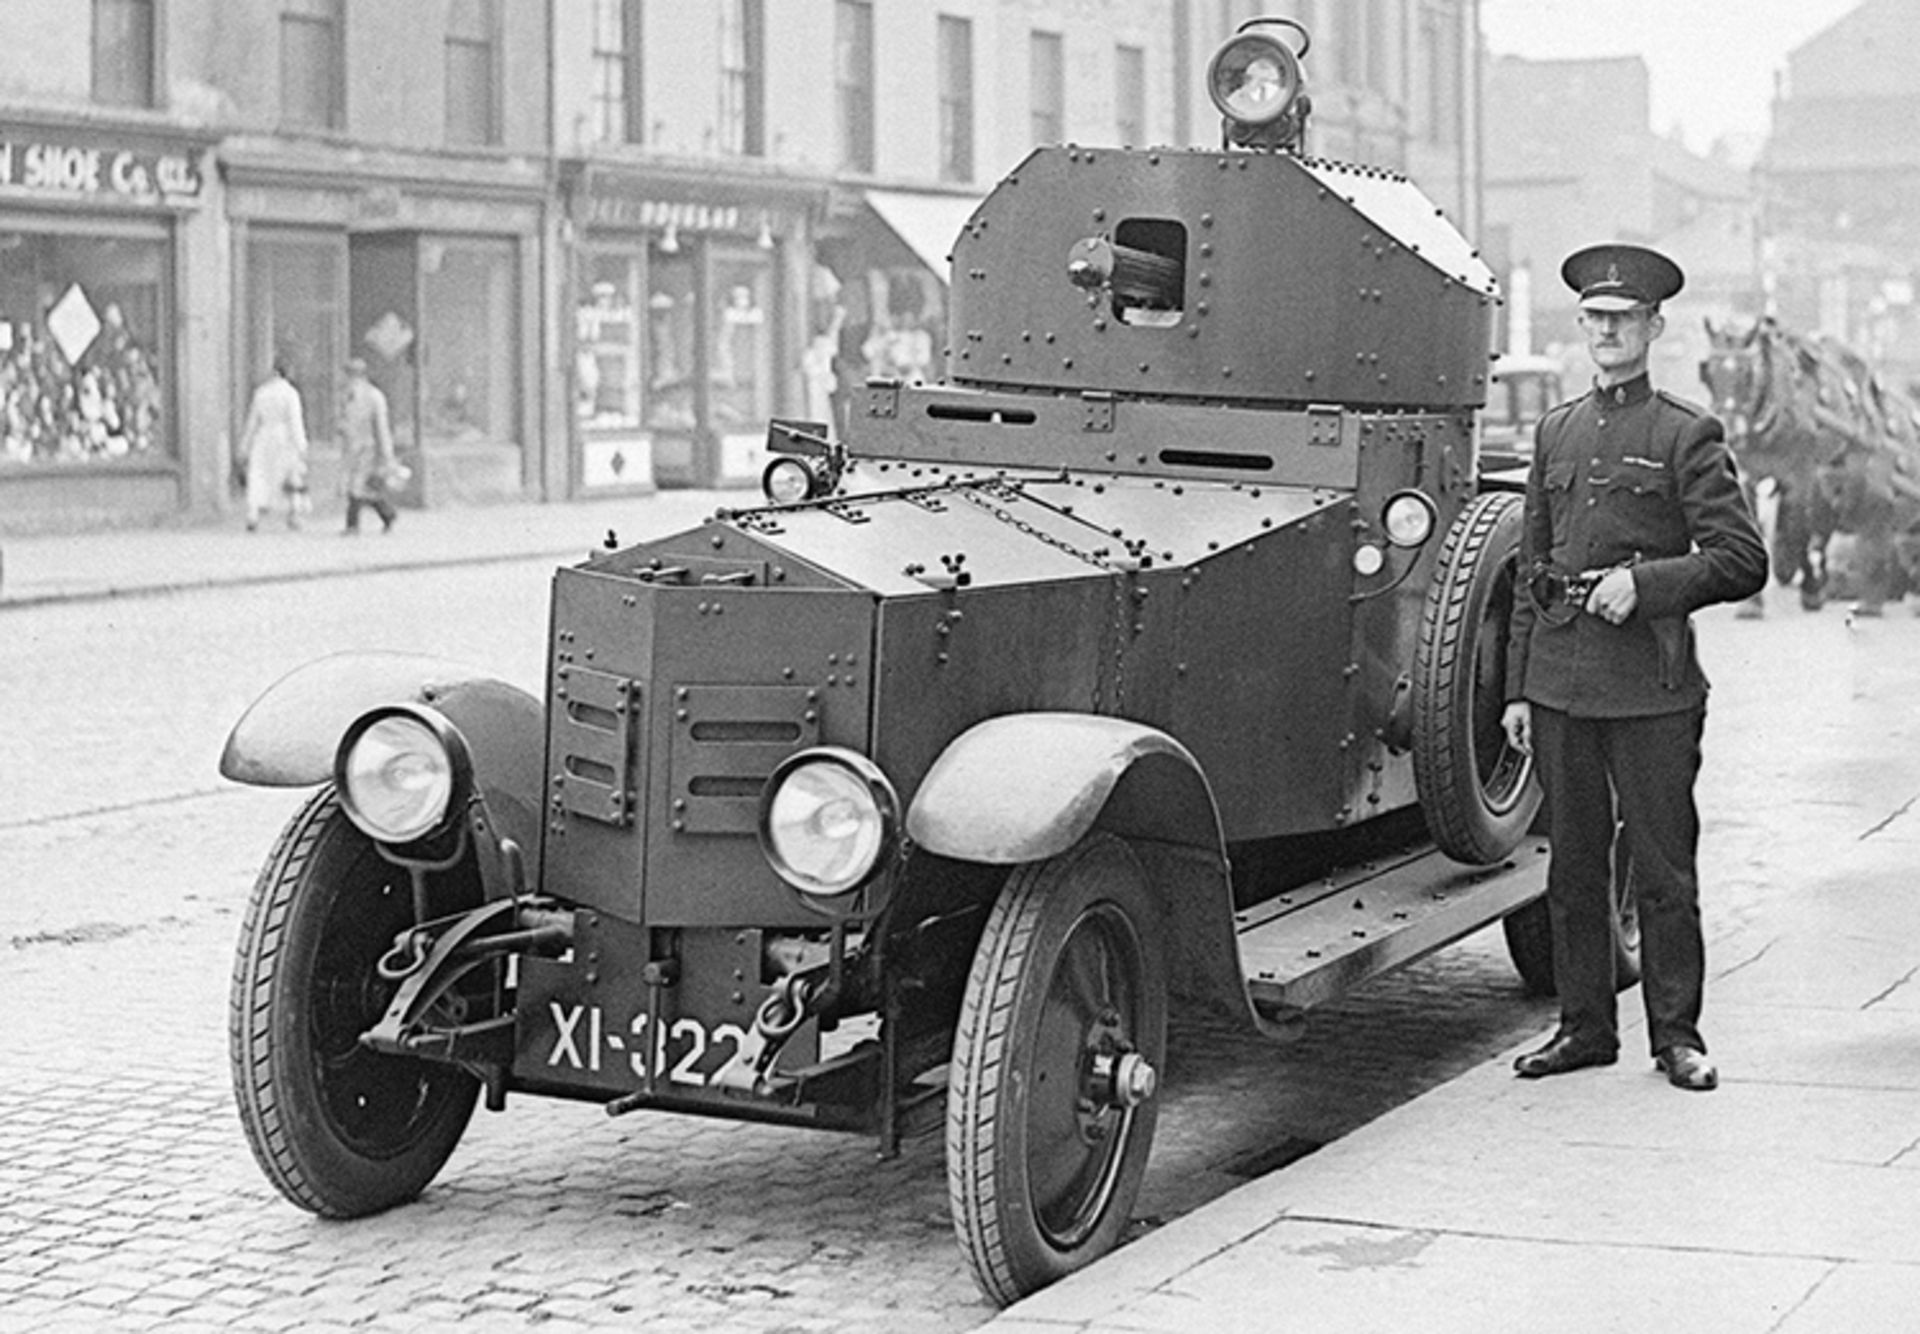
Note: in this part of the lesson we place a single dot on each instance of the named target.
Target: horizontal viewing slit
(747, 731)
(1214, 458)
(993, 416)
(725, 785)
(591, 770)
(592, 715)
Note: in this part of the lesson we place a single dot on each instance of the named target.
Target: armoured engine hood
(985, 530)
(1247, 277)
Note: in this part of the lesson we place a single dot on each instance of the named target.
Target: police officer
(1634, 519)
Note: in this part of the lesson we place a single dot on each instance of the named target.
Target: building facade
(760, 197)
(1572, 159)
(1840, 181)
(110, 274)
(586, 246)
(386, 196)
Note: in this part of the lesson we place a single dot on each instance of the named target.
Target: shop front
(428, 271)
(100, 234)
(687, 329)
(881, 286)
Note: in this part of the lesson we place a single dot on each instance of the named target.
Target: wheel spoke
(1085, 975)
(1074, 1138)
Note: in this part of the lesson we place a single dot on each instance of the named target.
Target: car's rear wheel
(1529, 933)
(1051, 1097)
(341, 1130)
(1478, 792)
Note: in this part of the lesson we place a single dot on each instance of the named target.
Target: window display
(295, 284)
(468, 393)
(82, 379)
(670, 345)
(742, 332)
(607, 373)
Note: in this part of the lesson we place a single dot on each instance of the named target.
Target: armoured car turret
(918, 794)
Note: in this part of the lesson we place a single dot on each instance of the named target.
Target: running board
(1306, 947)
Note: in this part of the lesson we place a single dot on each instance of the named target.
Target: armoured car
(1150, 658)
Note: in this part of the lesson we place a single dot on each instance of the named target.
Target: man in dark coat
(1634, 519)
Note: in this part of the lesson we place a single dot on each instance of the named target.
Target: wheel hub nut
(1130, 1077)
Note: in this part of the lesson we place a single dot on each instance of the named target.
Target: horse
(1758, 383)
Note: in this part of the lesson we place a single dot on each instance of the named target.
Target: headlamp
(828, 819)
(1409, 518)
(788, 481)
(398, 772)
(1254, 79)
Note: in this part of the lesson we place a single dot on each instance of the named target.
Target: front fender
(1028, 786)
(288, 736)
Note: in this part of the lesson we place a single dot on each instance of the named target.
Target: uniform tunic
(1627, 476)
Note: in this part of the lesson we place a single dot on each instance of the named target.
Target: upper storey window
(312, 95)
(956, 98)
(617, 106)
(123, 53)
(473, 101)
(743, 77)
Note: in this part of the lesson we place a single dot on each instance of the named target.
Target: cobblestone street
(128, 1198)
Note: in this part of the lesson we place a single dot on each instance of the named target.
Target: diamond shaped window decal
(73, 324)
(389, 336)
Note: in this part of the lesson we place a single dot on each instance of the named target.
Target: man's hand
(1517, 723)
(1614, 597)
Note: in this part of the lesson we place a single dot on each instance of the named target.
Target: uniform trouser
(1638, 772)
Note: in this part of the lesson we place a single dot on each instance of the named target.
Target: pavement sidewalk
(1786, 1202)
(39, 569)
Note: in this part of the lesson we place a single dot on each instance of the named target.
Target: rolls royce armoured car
(1150, 658)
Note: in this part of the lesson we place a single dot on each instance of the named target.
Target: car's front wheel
(340, 1129)
(1051, 1092)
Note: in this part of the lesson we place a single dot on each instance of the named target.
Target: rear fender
(1025, 787)
(288, 736)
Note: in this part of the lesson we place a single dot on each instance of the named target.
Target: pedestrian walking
(1634, 519)
(366, 449)
(273, 450)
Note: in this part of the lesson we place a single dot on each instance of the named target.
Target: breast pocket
(1559, 488)
(1639, 502)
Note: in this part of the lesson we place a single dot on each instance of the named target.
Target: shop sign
(48, 166)
(620, 211)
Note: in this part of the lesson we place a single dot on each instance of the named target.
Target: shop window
(956, 99)
(743, 77)
(82, 364)
(853, 82)
(617, 107)
(472, 74)
(469, 336)
(671, 342)
(296, 285)
(1046, 88)
(740, 373)
(123, 64)
(607, 332)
